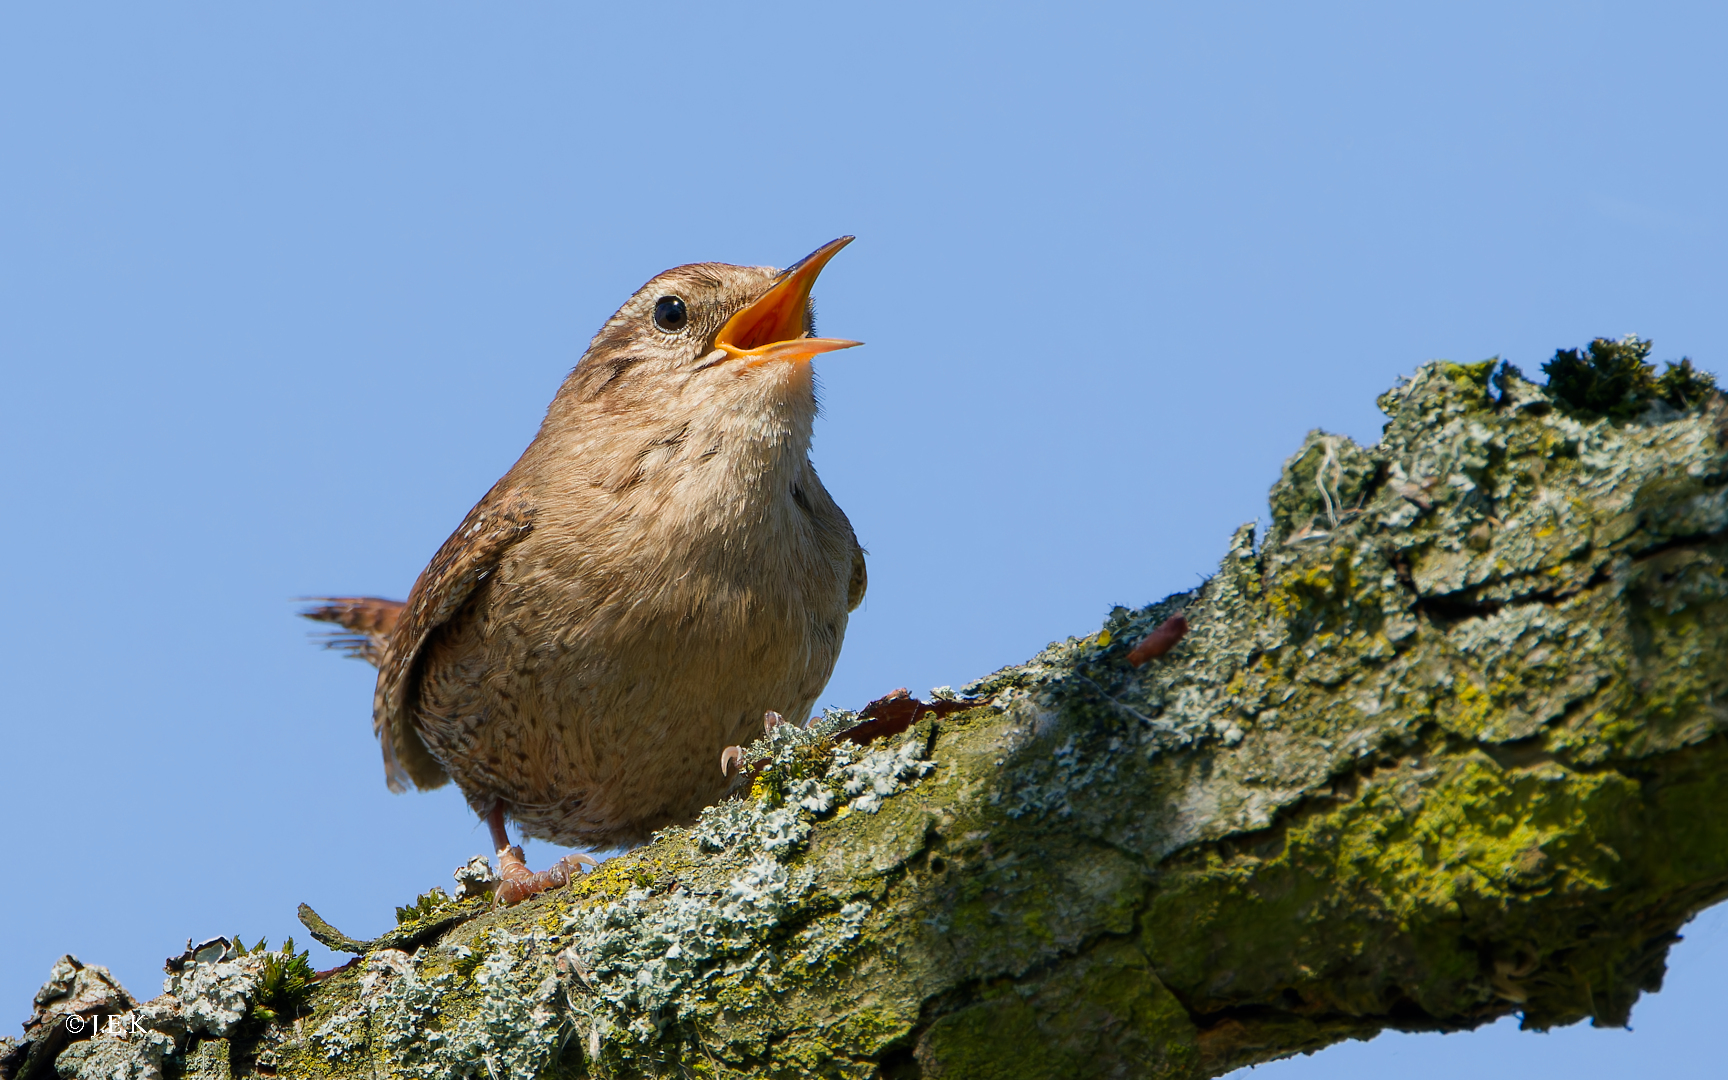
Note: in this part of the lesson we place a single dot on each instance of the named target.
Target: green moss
(1103, 1014)
(1684, 386)
(424, 905)
(1615, 379)
(286, 982)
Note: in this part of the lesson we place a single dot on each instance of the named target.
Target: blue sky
(284, 288)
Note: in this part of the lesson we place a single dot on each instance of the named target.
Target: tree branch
(1448, 744)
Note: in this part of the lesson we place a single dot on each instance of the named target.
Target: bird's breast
(679, 567)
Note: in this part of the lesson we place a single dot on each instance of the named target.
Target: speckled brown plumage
(660, 568)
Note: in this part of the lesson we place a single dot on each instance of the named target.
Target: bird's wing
(859, 581)
(366, 623)
(473, 551)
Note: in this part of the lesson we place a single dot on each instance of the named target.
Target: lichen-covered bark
(1450, 742)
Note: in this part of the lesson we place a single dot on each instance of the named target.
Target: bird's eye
(669, 314)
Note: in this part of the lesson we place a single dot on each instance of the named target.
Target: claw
(733, 756)
(519, 882)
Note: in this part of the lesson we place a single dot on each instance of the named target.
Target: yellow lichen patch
(1366, 889)
(1310, 593)
(1470, 377)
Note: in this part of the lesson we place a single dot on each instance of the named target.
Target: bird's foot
(519, 883)
(733, 756)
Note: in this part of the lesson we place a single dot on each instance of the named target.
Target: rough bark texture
(1448, 743)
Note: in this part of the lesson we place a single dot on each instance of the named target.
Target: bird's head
(707, 338)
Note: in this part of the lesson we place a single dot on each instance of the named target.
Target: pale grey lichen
(744, 824)
(830, 935)
(214, 997)
(204, 999)
(62, 977)
(639, 957)
(104, 1057)
(640, 960)
(516, 1028)
(812, 795)
(782, 744)
(630, 961)
(629, 967)
(867, 775)
(859, 777)
(342, 1033)
(475, 878)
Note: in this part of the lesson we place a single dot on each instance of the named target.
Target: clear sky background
(284, 288)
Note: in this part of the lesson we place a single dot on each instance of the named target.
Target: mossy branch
(1449, 742)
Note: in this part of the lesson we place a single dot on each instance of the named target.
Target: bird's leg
(733, 756)
(495, 822)
(518, 882)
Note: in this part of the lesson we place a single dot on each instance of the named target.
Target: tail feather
(366, 623)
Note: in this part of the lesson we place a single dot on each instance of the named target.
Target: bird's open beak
(773, 327)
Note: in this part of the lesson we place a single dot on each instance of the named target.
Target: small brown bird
(658, 570)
